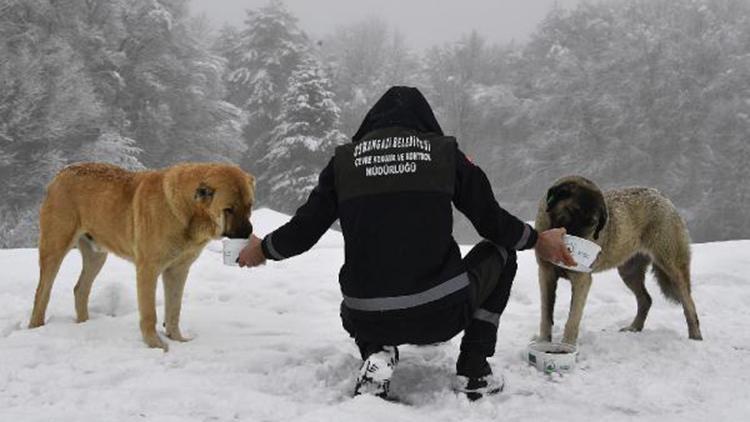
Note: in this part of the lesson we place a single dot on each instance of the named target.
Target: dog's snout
(243, 232)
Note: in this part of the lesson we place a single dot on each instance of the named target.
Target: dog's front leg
(174, 279)
(581, 283)
(147, 274)
(547, 288)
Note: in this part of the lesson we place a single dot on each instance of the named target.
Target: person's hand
(550, 247)
(252, 254)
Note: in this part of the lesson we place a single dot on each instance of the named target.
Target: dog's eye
(229, 210)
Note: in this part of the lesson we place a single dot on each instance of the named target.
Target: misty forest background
(640, 92)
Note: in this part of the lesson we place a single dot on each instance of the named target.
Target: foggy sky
(423, 22)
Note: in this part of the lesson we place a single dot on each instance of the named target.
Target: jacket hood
(400, 106)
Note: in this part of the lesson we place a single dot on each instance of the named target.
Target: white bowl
(552, 357)
(231, 250)
(584, 252)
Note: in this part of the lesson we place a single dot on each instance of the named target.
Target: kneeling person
(403, 279)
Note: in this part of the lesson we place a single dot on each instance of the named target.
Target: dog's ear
(556, 194)
(204, 193)
(551, 200)
(603, 216)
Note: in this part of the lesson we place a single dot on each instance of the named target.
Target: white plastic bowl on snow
(551, 357)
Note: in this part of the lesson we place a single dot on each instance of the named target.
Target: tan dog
(159, 220)
(634, 227)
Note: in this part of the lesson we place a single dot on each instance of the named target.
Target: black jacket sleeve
(309, 223)
(473, 196)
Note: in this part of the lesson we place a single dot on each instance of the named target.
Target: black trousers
(491, 270)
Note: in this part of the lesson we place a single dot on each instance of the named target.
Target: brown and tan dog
(634, 227)
(159, 220)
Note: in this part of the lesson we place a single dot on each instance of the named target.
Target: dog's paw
(539, 338)
(177, 336)
(155, 342)
(631, 329)
(35, 324)
(570, 340)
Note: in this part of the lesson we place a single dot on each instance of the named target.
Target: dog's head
(577, 204)
(226, 194)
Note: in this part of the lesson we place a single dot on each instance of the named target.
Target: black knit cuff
(528, 238)
(268, 249)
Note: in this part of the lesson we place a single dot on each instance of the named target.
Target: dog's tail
(669, 287)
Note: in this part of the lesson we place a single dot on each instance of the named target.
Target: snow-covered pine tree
(260, 61)
(262, 58)
(366, 58)
(173, 94)
(111, 147)
(304, 137)
(47, 103)
(228, 45)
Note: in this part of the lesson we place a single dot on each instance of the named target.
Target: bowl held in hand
(584, 252)
(232, 249)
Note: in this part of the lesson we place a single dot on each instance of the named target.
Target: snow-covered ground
(268, 345)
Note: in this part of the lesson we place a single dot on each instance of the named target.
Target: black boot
(376, 372)
(474, 377)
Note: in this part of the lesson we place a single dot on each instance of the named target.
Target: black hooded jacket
(403, 279)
